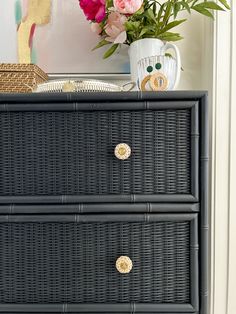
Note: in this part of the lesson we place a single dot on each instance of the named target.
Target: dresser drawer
(62, 155)
(48, 262)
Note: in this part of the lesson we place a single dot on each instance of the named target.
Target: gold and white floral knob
(124, 264)
(122, 151)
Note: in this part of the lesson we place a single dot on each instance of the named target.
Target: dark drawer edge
(101, 97)
(103, 218)
(94, 105)
(119, 198)
(97, 308)
(13, 209)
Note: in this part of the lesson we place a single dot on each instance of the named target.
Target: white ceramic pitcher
(148, 47)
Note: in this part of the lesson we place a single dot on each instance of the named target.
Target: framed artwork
(55, 35)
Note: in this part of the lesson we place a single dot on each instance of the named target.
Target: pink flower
(115, 28)
(96, 28)
(127, 6)
(94, 10)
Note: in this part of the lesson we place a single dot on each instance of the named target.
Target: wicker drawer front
(54, 259)
(50, 154)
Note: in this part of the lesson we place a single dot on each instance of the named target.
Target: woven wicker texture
(75, 263)
(56, 153)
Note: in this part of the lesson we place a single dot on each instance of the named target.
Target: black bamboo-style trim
(195, 150)
(194, 265)
(96, 218)
(131, 308)
(100, 97)
(99, 208)
(94, 106)
(204, 213)
(154, 105)
(65, 199)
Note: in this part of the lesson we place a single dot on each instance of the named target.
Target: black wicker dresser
(104, 203)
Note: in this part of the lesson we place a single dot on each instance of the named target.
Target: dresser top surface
(101, 96)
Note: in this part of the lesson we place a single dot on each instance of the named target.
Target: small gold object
(69, 87)
(124, 264)
(158, 82)
(144, 83)
(122, 151)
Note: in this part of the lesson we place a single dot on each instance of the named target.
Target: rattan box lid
(23, 67)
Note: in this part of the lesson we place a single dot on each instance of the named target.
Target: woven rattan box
(104, 203)
(20, 78)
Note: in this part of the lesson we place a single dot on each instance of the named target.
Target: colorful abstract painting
(29, 15)
(55, 35)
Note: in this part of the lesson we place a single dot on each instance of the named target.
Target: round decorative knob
(124, 264)
(122, 151)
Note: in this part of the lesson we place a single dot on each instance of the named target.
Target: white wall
(192, 51)
(7, 32)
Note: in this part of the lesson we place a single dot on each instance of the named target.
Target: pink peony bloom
(115, 28)
(96, 28)
(94, 10)
(127, 6)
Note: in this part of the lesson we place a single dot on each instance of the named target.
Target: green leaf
(154, 8)
(110, 51)
(225, 4)
(203, 11)
(150, 15)
(136, 24)
(194, 2)
(147, 29)
(167, 12)
(209, 5)
(168, 36)
(132, 26)
(161, 10)
(129, 26)
(172, 25)
(109, 3)
(186, 6)
(177, 8)
(101, 44)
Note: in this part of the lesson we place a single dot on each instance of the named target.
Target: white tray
(81, 86)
